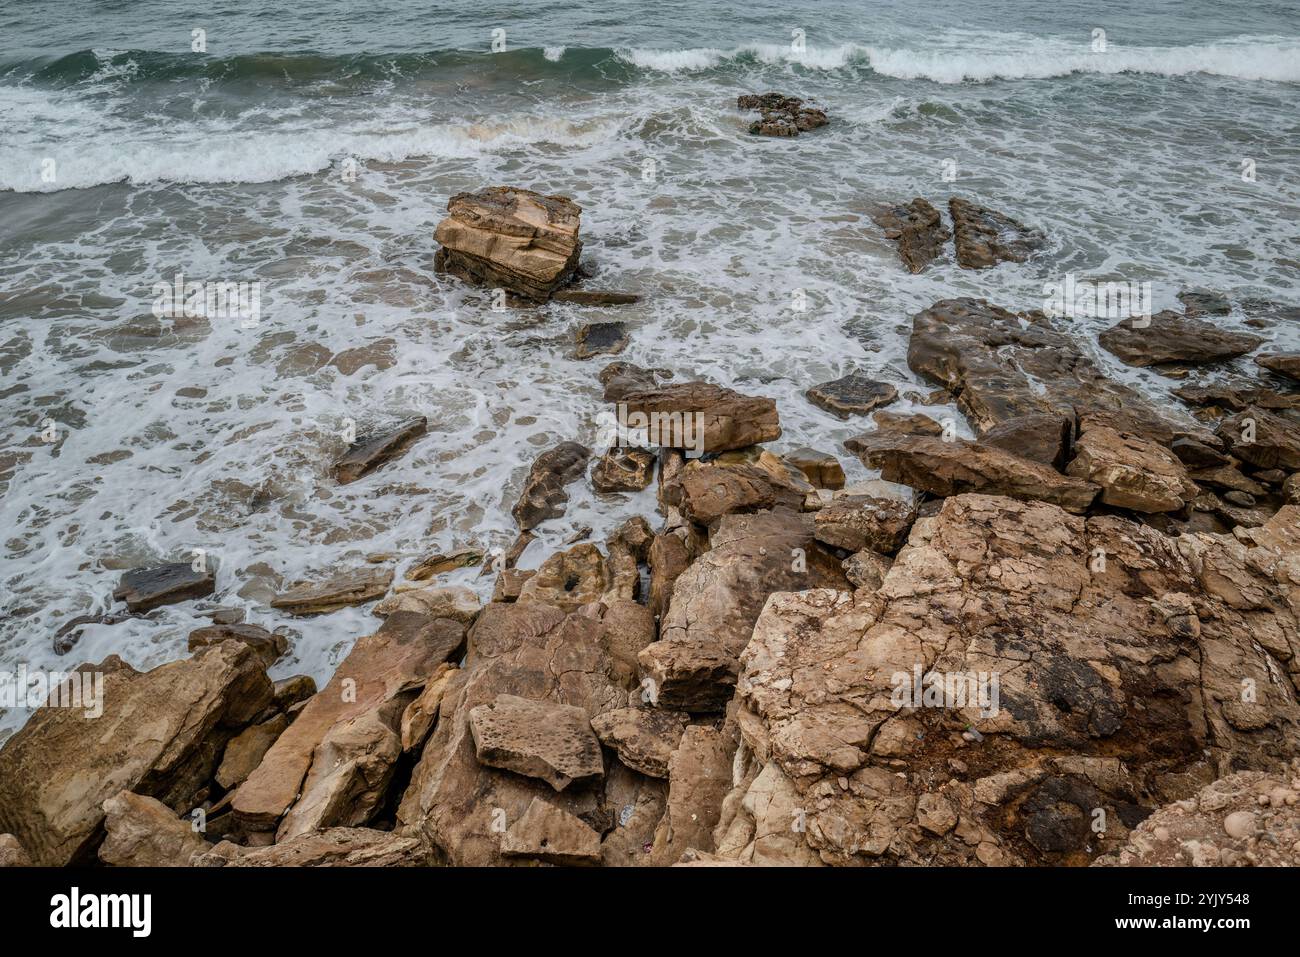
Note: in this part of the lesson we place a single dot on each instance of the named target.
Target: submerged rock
(511, 238)
(985, 238)
(366, 455)
(917, 228)
(145, 589)
(601, 338)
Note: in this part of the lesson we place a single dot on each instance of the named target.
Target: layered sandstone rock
(917, 228)
(332, 847)
(1133, 472)
(1283, 363)
(511, 238)
(1169, 337)
(985, 238)
(703, 417)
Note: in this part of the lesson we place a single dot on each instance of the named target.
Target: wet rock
(952, 468)
(716, 600)
(440, 563)
(643, 738)
(781, 115)
(985, 238)
(853, 394)
(1001, 366)
(620, 378)
(69, 633)
(821, 469)
(623, 470)
(332, 765)
(511, 238)
(269, 646)
(1283, 363)
(1168, 337)
(1197, 455)
(705, 491)
(367, 454)
(1219, 396)
(1039, 437)
(160, 736)
(142, 832)
(569, 579)
(1262, 439)
(702, 417)
(1133, 473)
(245, 751)
(290, 691)
(543, 496)
(917, 227)
(552, 835)
(421, 714)
(595, 297)
(354, 587)
(601, 338)
(145, 589)
(447, 601)
(1204, 302)
(855, 522)
(332, 847)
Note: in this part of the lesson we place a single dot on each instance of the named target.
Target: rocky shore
(719, 683)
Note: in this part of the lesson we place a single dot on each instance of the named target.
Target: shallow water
(181, 434)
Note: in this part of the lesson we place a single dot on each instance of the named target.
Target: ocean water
(126, 158)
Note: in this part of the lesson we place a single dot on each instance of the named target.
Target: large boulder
(1021, 674)
(511, 238)
(1262, 439)
(700, 417)
(160, 735)
(699, 777)
(1170, 337)
(142, 832)
(333, 764)
(1133, 472)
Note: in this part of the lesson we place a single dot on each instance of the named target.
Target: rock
(332, 847)
(623, 470)
(145, 589)
(1197, 455)
(440, 563)
(985, 238)
(332, 765)
(463, 807)
(552, 835)
(245, 751)
(670, 555)
(290, 691)
(952, 468)
(510, 583)
(638, 804)
(441, 601)
(1262, 439)
(365, 455)
(1227, 477)
(1039, 437)
(699, 777)
(1232, 821)
(822, 469)
(991, 586)
(160, 737)
(915, 423)
(1168, 337)
(781, 115)
(853, 394)
(420, 715)
(1133, 473)
(701, 417)
(543, 496)
(269, 646)
(595, 297)
(569, 579)
(511, 238)
(705, 491)
(643, 738)
(1217, 397)
(918, 229)
(142, 832)
(12, 853)
(855, 522)
(354, 587)
(540, 739)
(601, 338)
(716, 600)
(1001, 366)
(620, 378)
(1204, 302)
(1283, 363)
(1291, 489)
(866, 569)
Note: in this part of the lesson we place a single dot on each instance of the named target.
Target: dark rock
(1041, 437)
(1283, 363)
(855, 522)
(1168, 337)
(147, 588)
(1197, 455)
(1204, 302)
(623, 470)
(822, 469)
(621, 378)
(269, 646)
(781, 115)
(601, 338)
(354, 587)
(853, 394)
(366, 455)
(918, 229)
(702, 417)
(1262, 439)
(543, 496)
(984, 237)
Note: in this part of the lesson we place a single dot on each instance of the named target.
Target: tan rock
(699, 777)
(552, 835)
(142, 832)
(447, 601)
(12, 853)
(1133, 472)
(269, 646)
(348, 588)
(540, 739)
(643, 738)
(855, 522)
(245, 751)
(701, 417)
(332, 847)
(419, 717)
(569, 579)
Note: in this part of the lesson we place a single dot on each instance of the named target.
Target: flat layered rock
(145, 589)
(552, 835)
(1002, 366)
(511, 238)
(332, 847)
(160, 735)
(1262, 439)
(440, 563)
(349, 588)
(855, 522)
(853, 394)
(367, 454)
(543, 496)
(269, 646)
(1169, 337)
(623, 470)
(332, 765)
(539, 739)
(917, 228)
(601, 338)
(643, 738)
(821, 469)
(1283, 363)
(985, 238)
(1043, 437)
(1235, 399)
(439, 601)
(1133, 472)
(702, 417)
(947, 468)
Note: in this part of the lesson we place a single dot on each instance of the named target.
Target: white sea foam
(553, 53)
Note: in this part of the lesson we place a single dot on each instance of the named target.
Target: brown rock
(552, 835)
(620, 378)
(142, 832)
(354, 587)
(510, 583)
(918, 229)
(853, 394)
(643, 738)
(367, 454)
(1133, 472)
(1262, 439)
(269, 646)
(145, 589)
(699, 777)
(700, 417)
(332, 847)
(1168, 337)
(623, 470)
(540, 739)
(601, 338)
(822, 469)
(421, 714)
(705, 491)
(442, 562)
(1283, 363)
(290, 691)
(985, 238)
(866, 569)
(1040, 437)
(12, 853)
(855, 522)
(245, 751)
(543, 496)
(441, 601)
(569, 579)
